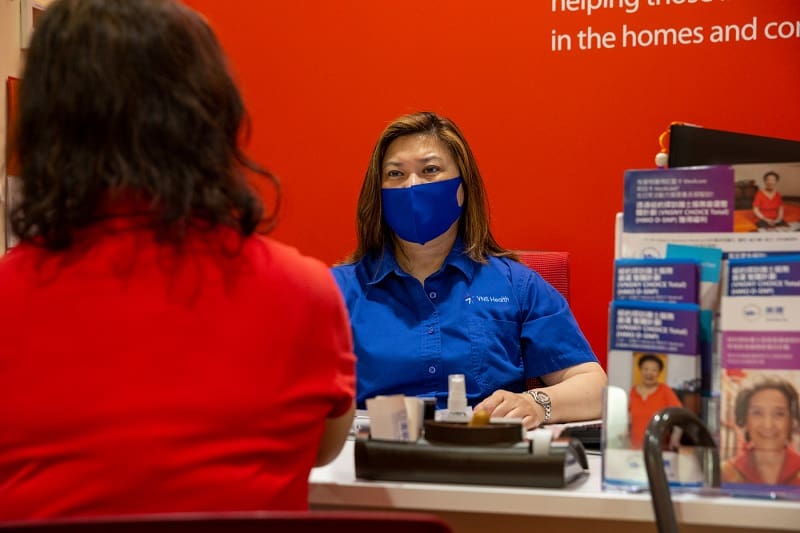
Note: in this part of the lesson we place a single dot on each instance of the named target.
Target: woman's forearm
(578, 395)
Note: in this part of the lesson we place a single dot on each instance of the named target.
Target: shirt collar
(386, 263)
(746, 463)
(460, 260)
(382, 265)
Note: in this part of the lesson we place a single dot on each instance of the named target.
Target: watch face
(542, 397)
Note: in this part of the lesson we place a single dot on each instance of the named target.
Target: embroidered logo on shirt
(488, 299)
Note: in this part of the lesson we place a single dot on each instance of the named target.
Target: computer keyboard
(588, 434)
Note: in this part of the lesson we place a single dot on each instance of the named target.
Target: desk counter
(582, 505)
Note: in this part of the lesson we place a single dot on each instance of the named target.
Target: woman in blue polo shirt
(431, 293)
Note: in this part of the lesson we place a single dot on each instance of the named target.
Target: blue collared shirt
(497, 323)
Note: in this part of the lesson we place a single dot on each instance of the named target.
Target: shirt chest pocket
(495, 351)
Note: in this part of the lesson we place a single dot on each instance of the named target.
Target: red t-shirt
(743, 469)
(642, 410)
(135, 378)
(769, 206)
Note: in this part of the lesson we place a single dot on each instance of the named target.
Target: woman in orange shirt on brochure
(769, 414)
(648, 397)
(768, 203)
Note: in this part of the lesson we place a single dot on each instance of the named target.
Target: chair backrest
(552, 266)
(246, 522)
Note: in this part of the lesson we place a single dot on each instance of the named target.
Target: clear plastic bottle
(456, 395)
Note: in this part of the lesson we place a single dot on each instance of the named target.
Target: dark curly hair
(131, 98)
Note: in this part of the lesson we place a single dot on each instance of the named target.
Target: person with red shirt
(158, 354)
(648, 397)
(768, 203)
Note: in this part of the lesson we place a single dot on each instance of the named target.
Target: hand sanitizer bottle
(456, 396)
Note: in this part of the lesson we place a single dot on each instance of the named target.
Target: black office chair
(244, 522)
(695, 431)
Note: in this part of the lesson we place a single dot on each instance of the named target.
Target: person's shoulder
(19, 259)
(352, 278)
(10, 260)
(345, 271)
(669, 395)
(792, 461)
(519, 275)
(9, 267)
(287, 263)
(511, 267)
(280, 250)
(729, 473)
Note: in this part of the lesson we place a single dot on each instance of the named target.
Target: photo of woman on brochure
(767, 198)
(649, 394)
(759, 434)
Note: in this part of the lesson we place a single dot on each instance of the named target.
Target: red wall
(552, 131)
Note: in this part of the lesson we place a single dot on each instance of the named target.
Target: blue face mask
(422, 212)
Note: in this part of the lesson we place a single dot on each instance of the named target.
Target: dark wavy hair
(131, 98)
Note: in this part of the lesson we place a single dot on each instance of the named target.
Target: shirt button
(430, 331)
(431, 369)
(432, 295)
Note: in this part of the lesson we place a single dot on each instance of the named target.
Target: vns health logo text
(487, 299)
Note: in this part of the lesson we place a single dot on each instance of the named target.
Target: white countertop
(336, 485)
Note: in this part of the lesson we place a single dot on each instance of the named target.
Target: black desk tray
(514, 465)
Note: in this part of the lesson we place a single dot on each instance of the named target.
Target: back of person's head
(373, 232)
(130, 98)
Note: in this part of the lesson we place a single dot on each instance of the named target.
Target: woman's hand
(575, 392)
(505, 404)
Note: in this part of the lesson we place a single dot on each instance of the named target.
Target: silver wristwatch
(542, 399)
